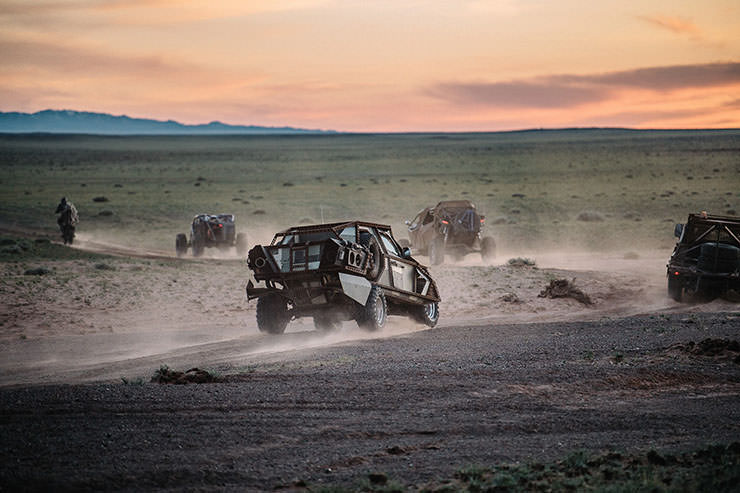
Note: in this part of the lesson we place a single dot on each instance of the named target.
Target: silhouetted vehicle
(211, 230)
(334, 272)
(452, 226)
(706, 259)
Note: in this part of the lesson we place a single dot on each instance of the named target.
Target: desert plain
(511, 390)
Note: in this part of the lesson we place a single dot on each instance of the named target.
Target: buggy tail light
(676, 273)
(220, 225)
(444, 221)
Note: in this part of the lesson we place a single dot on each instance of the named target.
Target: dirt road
(507, 376)
(415, 406)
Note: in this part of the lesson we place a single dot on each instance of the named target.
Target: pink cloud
(567, 91)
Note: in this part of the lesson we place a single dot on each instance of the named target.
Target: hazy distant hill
(83, 122)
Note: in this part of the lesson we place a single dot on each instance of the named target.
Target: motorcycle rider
(67, 220)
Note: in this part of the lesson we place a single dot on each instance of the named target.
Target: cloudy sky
(379, 65)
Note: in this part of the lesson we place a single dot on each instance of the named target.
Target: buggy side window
(390, 245)
(349, 234)
(286, 240)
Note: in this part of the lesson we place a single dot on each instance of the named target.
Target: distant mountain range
(83, 122)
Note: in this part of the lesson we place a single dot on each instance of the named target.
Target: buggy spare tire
(376, 258)
(272, 313)
(372, 316)
(181, 244)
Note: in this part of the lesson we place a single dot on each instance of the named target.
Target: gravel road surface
(416, 406)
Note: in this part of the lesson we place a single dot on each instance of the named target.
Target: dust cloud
(84, 324)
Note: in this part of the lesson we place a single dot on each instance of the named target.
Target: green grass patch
(534, 187)
(714, 468)
(14, 249)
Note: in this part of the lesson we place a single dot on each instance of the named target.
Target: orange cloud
(673, 24)
(140, 12)
(75, 59)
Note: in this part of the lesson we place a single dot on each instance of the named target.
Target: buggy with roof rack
(450, 227)
(706, 259)
(334, 272)
(211, 230)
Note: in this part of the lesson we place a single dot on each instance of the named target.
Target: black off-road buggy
(452, 226)
(335, 272)
(706, 259)
(211, 230)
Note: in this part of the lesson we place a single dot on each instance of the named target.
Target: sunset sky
(379, 65)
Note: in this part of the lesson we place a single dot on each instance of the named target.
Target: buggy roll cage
(712, 223)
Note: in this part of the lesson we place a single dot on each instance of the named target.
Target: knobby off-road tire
(272, 313)
(373, 315)
(437, 251)
(487, 248)
(675, 289)
(241, 244)
(377, 259)
(181, 244)
(427, 314)
(198, 245)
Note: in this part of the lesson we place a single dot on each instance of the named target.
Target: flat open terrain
(507, 376)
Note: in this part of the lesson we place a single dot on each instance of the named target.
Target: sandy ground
(97, 321)
(507, 375)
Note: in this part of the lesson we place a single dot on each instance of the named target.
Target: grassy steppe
(532, 186)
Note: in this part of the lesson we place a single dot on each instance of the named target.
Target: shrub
(590, 216)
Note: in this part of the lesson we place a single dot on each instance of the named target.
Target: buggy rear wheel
(181, 244)
(487, 248)
(372, 316)
(437, 251)
(675, 289)
(241, 244)
(198, 244)
(272, 313)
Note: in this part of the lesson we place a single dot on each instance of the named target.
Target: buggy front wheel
(427, 314)
(272, 313)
